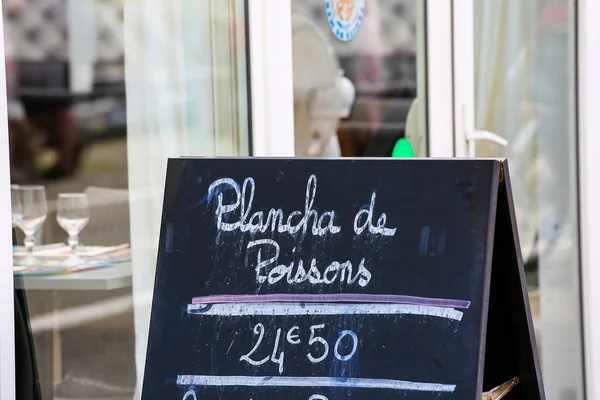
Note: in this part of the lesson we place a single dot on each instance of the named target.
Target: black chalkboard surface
(334, 279)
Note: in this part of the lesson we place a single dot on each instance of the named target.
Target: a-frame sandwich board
(510, 349)
(314, 278)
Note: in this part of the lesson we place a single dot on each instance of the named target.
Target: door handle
(473, 136)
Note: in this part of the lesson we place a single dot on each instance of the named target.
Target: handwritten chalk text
(273, 220)
(319, 346)
(268, 270)
(360, 223)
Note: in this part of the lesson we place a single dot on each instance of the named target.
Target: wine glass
(73, 215)
(15, 203)
(31, 200)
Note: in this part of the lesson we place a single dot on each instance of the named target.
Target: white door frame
(271, 77)
(7, 324)
(440, 91)
(463, 73)
(588, 126)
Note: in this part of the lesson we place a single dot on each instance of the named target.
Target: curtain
(504, 102)
(525, 92)
(186, 96)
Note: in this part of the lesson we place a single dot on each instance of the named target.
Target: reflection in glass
(31, 201)
(94, 115)
(16, 209)
(525, 89)
(382, 64)
(73, 215)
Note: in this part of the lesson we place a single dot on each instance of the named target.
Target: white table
(105, 278)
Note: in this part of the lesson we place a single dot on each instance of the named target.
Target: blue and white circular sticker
(345, 17)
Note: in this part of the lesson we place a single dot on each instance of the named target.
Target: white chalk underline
(294, 381)
(271, 309)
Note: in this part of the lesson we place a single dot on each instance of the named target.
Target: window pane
(101, 92)
(359, 90)
(525, 91)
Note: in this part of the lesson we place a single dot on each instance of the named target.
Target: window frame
(7, 322)
(271, 78)
(588, 126)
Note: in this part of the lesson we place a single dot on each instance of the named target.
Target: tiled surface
(39, 30)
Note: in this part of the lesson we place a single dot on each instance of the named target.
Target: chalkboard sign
(334, 279)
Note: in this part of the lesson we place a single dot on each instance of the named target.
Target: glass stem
(29, 245)
(73, 241)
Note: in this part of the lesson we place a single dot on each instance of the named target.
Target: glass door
(515, 97)
(100, 94)
(363, 74)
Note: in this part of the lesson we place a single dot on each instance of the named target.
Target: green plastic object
(403, 149)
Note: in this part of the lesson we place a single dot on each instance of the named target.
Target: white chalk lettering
(317, 349)
(333, 267)
(189, 394)
(317, 339)
(273, 220)
(269, 270)
(223, 209)
(336, 348)
(275, 347)
(360, 223)
(293, 338)
(259, 330)
(261, 263)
